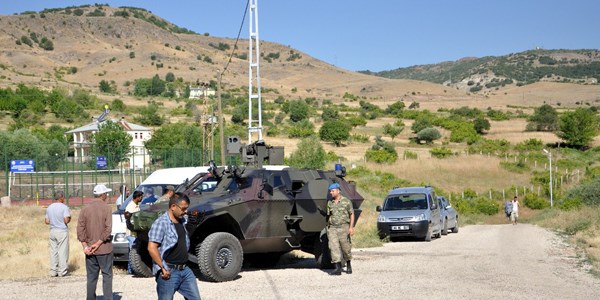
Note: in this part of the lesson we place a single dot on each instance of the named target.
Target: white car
(156, 182)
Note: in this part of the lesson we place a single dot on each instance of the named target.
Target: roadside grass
(24, 246)
(581, 226)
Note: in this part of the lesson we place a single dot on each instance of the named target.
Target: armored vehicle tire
(140, 260)
(445, 229)
(455, 229)
(321, 251)
(220, 257)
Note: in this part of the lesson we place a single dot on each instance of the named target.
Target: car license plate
(402, 227)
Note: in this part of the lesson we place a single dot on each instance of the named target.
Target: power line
(236, 39)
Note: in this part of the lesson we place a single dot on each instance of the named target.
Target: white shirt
(515, 207)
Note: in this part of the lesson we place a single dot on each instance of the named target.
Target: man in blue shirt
(168, 245)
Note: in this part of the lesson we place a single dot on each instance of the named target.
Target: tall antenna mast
(254, 74)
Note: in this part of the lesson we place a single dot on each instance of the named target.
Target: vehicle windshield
(406, 202)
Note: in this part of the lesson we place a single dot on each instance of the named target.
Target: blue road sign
(101, 162)
(22, 166)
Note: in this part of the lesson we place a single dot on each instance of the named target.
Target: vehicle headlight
(121, 237)
(420, 217)
(381, 219)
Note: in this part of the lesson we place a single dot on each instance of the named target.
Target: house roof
(124, 124)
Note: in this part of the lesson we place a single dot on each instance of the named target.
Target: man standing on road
(514, 215)
(168, 245)
(508, 209)
(93, 231)
(58, 216)
(340, 226)
(132, 207)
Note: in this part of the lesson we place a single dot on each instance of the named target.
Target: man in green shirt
(340, 226)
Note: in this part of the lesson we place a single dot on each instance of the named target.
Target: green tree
(309, 154)
(118, 105)
(544, 118)
(578, 128)
(421, 122)
(330, 113)
(149, 116)
(481, 125)
(113, 142)
(382, 152)
(395, 108)
(428, 135)
(170, 77)
(46, 44)
(392, 130)
(298, 110)
(105, 86)
(334, 131)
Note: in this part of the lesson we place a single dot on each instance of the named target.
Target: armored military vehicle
(249, 214)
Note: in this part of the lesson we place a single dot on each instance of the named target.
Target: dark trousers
(94, 264)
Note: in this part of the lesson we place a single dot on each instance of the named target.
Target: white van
(155, 183)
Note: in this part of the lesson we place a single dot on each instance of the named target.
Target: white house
(136, 159)
(201, 92)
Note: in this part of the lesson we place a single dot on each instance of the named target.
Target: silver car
(448, 216)
(410, 212)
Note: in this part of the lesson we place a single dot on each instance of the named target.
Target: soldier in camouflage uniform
(340, 223)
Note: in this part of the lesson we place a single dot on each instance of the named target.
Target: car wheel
(455, 229)
(321, 251)
(140, 260)
(427, 237)
(445, 229)
(220, 257)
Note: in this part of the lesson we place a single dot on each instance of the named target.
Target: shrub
(588, 192)
(410, 154)
(360, 138)
(428, 135)
(569, 203)
(381, 156)
(131, 54)
(26, 41)
(486, 206)
(310, 154)
(441, 152)
(577, 226)
(532, 201)
(301, 129)
(334, 131)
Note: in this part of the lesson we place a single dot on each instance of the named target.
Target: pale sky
(382, 35)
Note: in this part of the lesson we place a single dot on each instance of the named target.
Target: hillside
(516, 69)
(121, 47)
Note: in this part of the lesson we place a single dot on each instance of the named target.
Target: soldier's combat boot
(348, 267)
(338, 269)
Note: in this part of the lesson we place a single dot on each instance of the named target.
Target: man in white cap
(93, 231)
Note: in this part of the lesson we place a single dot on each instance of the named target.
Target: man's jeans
(182, 281)
(93, 265)
(130, 240)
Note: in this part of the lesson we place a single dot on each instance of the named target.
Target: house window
(141, 135)
(136, 137)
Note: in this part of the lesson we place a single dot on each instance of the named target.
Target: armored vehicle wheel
(220, 257)
(445, 229)
(321, 251)
(141, 262)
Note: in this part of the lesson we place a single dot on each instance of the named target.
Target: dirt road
(480, 262)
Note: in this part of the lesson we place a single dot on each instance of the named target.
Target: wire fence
(76, 172)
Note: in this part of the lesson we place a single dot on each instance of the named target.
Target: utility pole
(221, 127)
(254, 126)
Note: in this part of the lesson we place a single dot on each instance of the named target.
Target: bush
(381, 156)
(428, 135)
(486, 206)
(410, 155)
(532, 201)
(26, 41)
(588, 192)
(301, 129)
(569, 203)
(46, 44)
(334, 131)
(441, 152)
(577, 226)
(310, 154)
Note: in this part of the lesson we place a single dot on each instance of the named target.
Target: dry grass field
(24, 246)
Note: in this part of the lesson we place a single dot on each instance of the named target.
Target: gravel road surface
(479, 262)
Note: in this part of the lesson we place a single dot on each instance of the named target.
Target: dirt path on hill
(479, 262)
